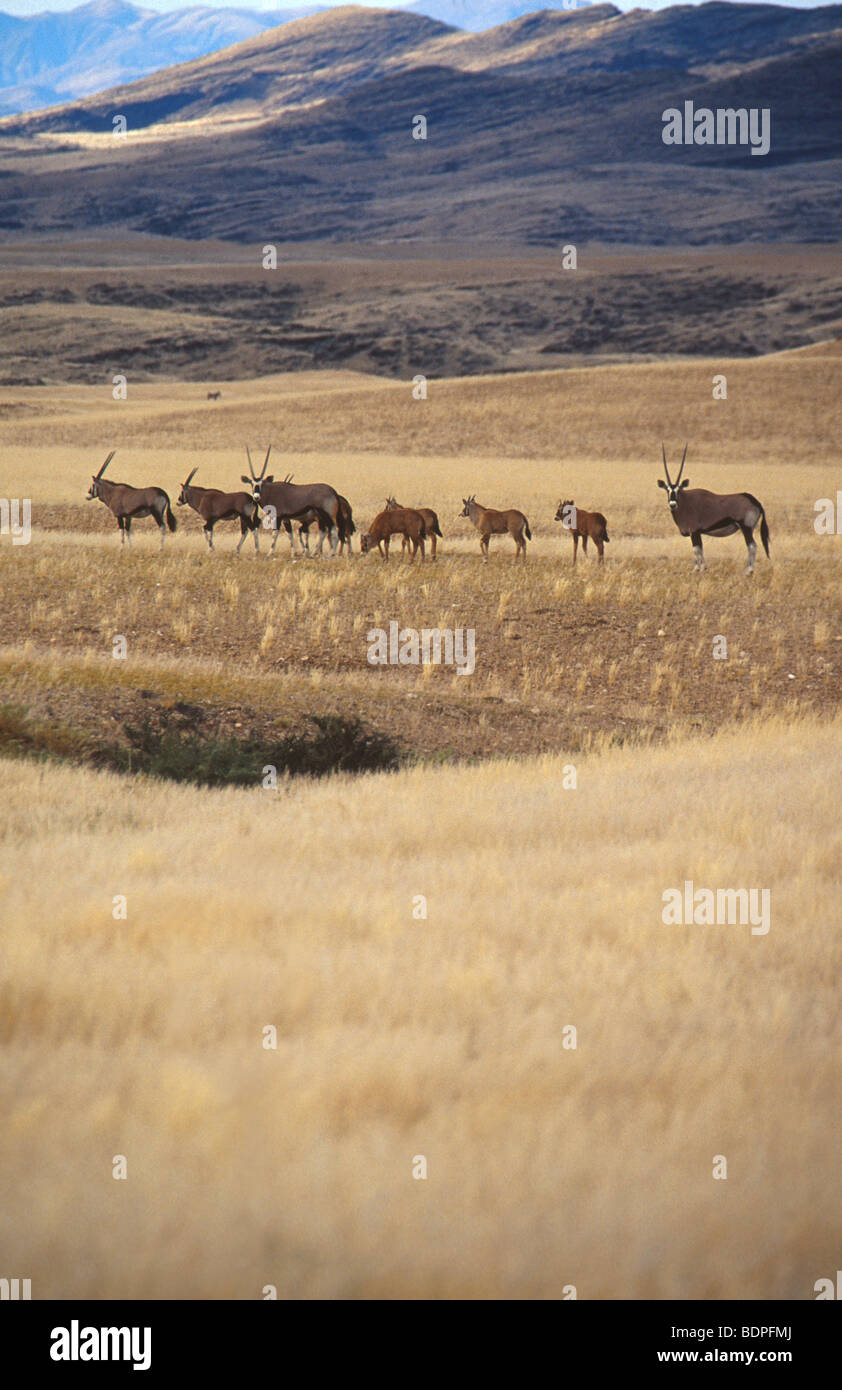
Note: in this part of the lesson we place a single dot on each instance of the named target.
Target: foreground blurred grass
(441, 1037)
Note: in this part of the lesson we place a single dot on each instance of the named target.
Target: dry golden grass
(780, 409)
(441, 1037)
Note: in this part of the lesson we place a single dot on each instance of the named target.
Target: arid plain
(445, 1036)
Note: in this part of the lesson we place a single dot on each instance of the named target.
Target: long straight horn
(266, 461)
(192, 476)
(107, 461)
(681, 469)
(666, 470)
(251, 465)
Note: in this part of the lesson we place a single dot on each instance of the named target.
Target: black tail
(436, 531)
(170, 516)
(764, 525)
(607, 539)
(526, 528)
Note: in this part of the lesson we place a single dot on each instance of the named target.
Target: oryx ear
(686, 482)
(244, 479)
(662, 484)
(269, 479)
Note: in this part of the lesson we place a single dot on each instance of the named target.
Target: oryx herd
(277, 505)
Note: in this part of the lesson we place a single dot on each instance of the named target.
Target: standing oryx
(493, 523)
(290, 501)
(431, 522)
(305, 521)
(129, 502)
(213, 506)
(699, 513)
(585, 526)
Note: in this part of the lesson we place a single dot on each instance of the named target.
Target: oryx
(306, 520)
(699, 513)
(291, 501)
(213, 506)
(128, 502)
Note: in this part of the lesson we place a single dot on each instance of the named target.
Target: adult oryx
(127, 503)
(292, 501)
(307, 519)
(213, 506)
(699, 513)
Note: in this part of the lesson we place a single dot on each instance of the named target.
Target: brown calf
(583, 525)
(395, 521)
(492, 523)
(431, 522)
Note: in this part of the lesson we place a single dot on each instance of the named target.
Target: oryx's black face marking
(672, 490)
(93, 489)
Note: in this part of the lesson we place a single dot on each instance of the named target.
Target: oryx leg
(483, 545)
(433, 540)
(256, 533)
(600, 549)
(334, 539)
(698, 553)
(129, 531)
(244, 526)
(386, 540)
(748, 537)
(575, 546)
(584, 542)
(208, 530)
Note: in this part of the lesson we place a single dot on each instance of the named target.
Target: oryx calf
(128, 503)
(493, 523)
(213, 506)
(431, 522)
(698, 513)
(583, 526)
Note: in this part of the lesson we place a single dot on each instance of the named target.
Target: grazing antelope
(583, 525)
(699, 513)
(431, 522)
(403, 521)
(290, 501)
(213, 506)
(128, 503)
(214, 395)
(491, 523)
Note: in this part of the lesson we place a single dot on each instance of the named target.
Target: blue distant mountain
(53, 58)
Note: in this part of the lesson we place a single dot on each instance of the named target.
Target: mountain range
(50, 58)
(541, 131)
